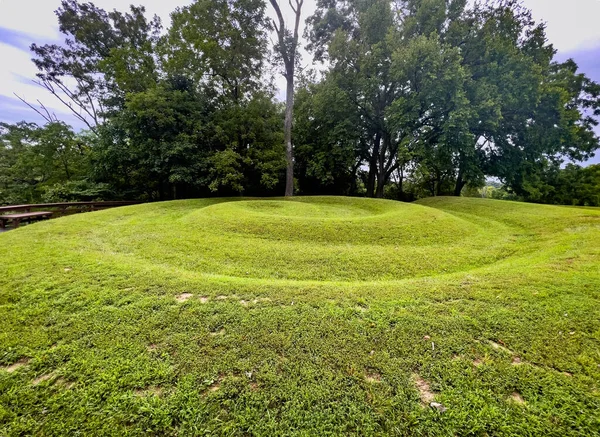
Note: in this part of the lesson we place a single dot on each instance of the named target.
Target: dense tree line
(413, 98)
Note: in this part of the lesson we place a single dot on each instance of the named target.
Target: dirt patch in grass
(183, 297)
(152, 390)
(425, 391)
(516, 361)
(225, 297)
(65, 383)
(500, 347)
(203, 299)
(373, 377)
(219, 332)
(517, 398)
(15, 366)
(42, 378)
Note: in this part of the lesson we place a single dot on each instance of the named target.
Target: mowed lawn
(312, 316)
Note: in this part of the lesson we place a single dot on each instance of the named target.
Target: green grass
(312, 316)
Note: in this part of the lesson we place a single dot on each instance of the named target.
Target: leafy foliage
(416, 98)
(447, 95)
(34, 158)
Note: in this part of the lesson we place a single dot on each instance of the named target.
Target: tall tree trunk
(288, 53)
(460, 184)
(382, 171)
(289, 149)
(381, 180)
(401, 183)
(373, 166)
(352, 190)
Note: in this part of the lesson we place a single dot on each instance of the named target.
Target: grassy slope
(318, 316)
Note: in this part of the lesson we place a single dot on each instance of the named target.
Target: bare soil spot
(516, 361)
(499, 347)
(244, 303)
(183, 297)
(254, 386)
(516, 397)
(152, 390)
(222, 297)
(438, 407)
(261, 299)
(373, 377)
(152, 347)
(66, 384)
(68, 269)
(424, 390)
(477, 362)
(42, 378)
(203, 299)
(219, 332)
(215, 384)
(15, 366)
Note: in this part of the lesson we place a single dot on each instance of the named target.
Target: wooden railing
(66, 206)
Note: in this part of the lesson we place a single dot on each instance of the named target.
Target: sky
(572, 27)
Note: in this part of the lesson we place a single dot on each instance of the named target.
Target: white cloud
(571, 25)
(17, 79)
(35, 17)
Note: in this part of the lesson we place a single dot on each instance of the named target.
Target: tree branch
(49, 86)
(46, 116)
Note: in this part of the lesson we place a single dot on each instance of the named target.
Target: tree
(155, 144)
(447, 95)
(328, 140)
(571, 185)
(419, 97)
(358, 40)
(104, 56)
(220, 44)
(34, 159)
(287, 48)
(404, 87)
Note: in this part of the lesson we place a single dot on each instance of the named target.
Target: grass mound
(311, 316)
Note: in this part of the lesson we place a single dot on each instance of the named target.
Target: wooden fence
(65, 208)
